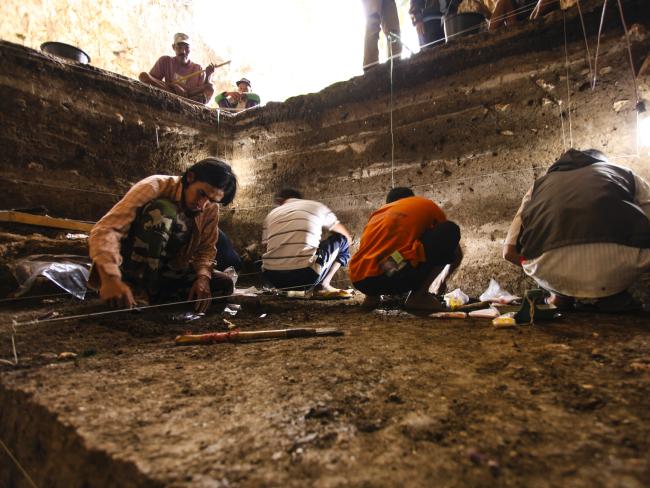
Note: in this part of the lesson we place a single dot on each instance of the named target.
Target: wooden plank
(44, 221)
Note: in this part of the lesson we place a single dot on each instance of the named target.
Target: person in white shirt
(297, 257)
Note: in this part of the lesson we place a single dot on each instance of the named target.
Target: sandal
(533, 308)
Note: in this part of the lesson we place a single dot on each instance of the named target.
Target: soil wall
(74, 138)
(473, 123)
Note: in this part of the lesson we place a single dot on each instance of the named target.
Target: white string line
(58, 187)
(392, 133)
(600, 30)
(22, 470)
(568, 83)
(637, 100)
(32, 297)
(584, 32)
(149, 307)
(564, 148)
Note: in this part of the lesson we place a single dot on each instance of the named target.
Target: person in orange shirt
(406, 244)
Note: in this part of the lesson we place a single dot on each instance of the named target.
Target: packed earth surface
(399, 400)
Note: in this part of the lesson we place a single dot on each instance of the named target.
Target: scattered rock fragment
(66, 356)
(421, 427)
(557, 347)
(620, 105)
(544, 85)
(33, 166)
(506, 133)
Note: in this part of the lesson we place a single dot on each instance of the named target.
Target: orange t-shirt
(396, 226)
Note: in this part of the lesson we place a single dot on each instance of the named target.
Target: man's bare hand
(209, 70)
(201, 291)
(116, 293)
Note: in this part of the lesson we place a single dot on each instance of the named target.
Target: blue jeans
(334, 249)
(226, 254)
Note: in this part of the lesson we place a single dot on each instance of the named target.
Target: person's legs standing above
(390, 24)
(372, 10)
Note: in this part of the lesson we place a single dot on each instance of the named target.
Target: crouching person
(159, 240)
(582, 231)
(406, 244)
(297, 257)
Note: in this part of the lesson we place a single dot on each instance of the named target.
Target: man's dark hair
(398, 193)
(287, 193)
(216, 173)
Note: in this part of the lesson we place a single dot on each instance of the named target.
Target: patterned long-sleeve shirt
(106, 236)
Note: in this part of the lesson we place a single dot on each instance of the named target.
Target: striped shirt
(105, 237)
(593, 270)
(292, 233)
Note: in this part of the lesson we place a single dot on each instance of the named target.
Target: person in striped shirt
(297, 257)
(160, 238)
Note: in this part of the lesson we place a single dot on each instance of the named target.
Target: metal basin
(65, 51)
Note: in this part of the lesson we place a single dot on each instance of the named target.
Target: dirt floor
(398, 400)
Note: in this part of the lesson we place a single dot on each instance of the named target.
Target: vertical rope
(562, 125)
(392, 134)
(637, 100)
(22, 470)
(600, 30)
(584, 33)
(568, 84)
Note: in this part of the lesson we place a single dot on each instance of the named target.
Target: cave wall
(74, 138)
(110, 31)
(474, 123)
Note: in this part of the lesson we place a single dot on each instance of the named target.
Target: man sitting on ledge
(405, 246)
(160, 238)
(582, 231)
(242, 99)
(179, 75)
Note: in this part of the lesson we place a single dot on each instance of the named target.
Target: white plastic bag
(495, 293)
(455, 299)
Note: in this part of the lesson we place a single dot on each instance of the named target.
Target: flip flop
(332, 295)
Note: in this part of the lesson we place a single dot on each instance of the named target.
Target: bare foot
(327, 288)
(561, 302)
(425, 303)
(370, 303)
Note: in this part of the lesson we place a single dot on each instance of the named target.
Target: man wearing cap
(179, 75)
(241, 99)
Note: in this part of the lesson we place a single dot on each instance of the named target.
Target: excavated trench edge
(53, 453)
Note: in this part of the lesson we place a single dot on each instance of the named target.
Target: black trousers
(439, 244)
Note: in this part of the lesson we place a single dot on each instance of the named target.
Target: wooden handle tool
(244, 336)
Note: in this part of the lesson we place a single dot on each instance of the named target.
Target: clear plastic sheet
(68, 272)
